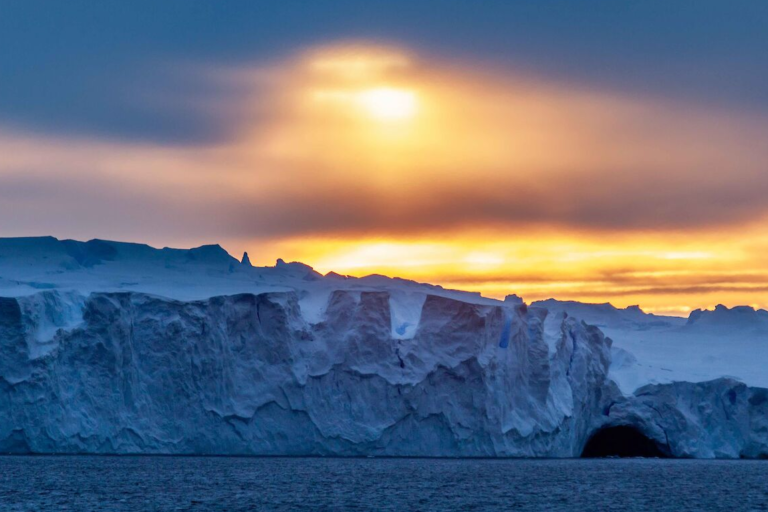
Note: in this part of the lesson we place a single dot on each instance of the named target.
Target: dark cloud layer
(98, 67)
(595, 201)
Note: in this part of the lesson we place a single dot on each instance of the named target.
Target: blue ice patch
(506, 330)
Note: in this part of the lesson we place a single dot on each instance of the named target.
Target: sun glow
(386, 103)
(635, 271)
(367, 160)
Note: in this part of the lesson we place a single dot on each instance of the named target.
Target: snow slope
(650, 349)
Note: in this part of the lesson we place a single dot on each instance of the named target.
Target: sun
(387, 103)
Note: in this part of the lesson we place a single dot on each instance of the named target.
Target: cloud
(486, 148)
(491, 180)
(557, 151)
(482, 148)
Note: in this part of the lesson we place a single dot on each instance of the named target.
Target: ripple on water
(83, 483)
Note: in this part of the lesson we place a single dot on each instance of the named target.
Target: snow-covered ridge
(29, 265)
(113, 348)
(607, 316)
(723, 318)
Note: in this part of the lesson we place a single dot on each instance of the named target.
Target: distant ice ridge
(650, 349)
(121, 348)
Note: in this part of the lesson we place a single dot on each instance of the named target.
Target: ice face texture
(247, 374)
(105, 359)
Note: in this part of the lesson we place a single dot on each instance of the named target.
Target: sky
(599, 151)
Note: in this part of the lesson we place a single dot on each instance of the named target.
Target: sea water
(148, 483)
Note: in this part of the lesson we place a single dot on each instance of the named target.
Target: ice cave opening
(622, 441)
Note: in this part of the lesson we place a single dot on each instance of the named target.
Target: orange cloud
(481, 148)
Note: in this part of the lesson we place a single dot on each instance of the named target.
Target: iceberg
(109, 347)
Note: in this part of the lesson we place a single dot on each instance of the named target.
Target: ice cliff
(121, 348)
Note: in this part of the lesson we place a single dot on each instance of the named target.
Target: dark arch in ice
(623, 441)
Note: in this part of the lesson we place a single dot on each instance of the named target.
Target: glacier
(117, 348)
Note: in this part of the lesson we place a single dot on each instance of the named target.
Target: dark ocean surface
(84, 483)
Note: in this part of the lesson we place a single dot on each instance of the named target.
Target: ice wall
(246, 374)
